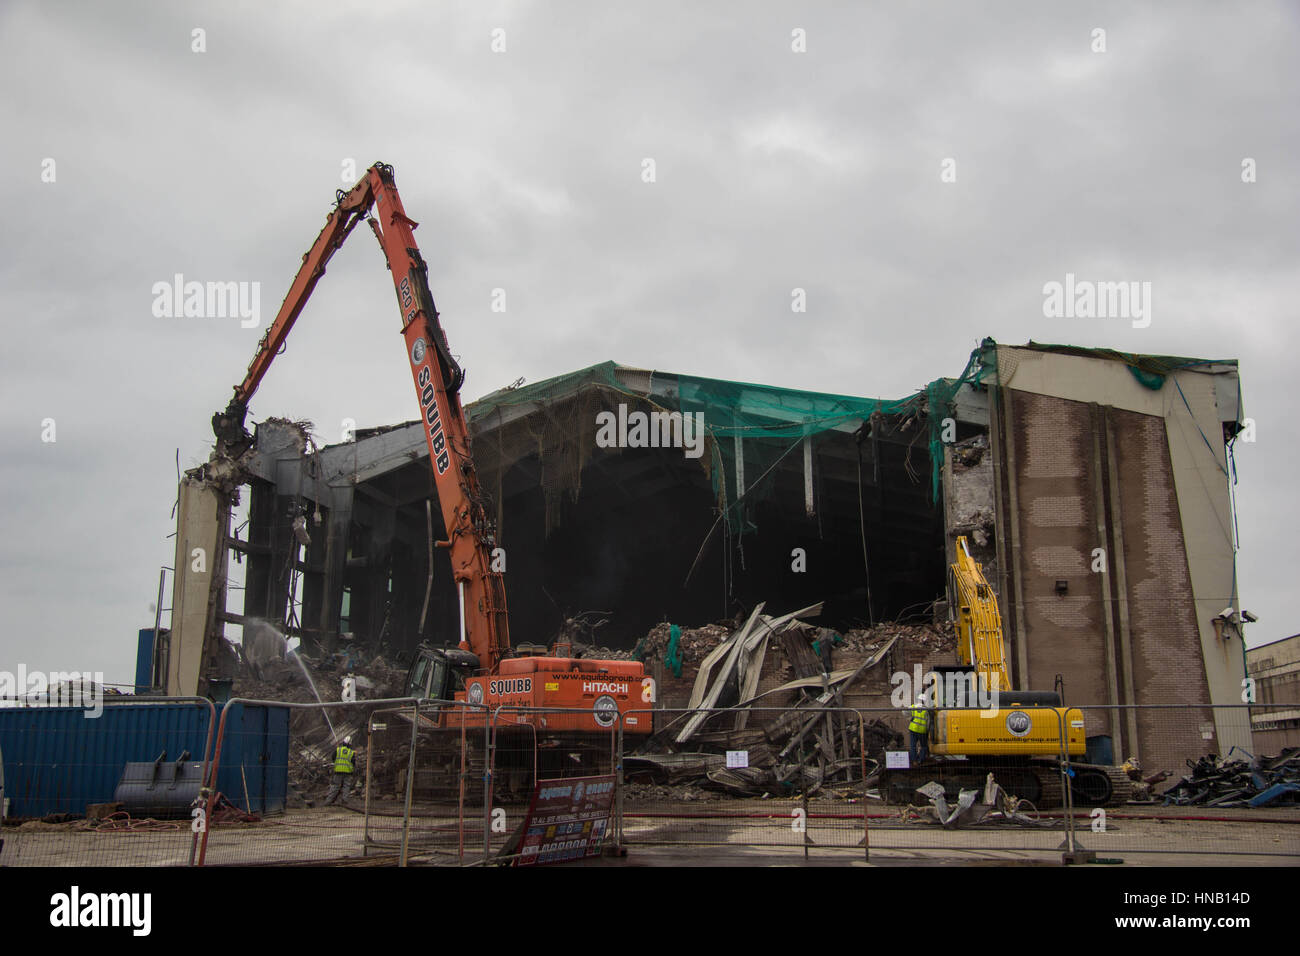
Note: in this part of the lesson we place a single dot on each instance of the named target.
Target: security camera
(1250, 618)
(1227, 613)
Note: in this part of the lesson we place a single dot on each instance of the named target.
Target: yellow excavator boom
(979, 623)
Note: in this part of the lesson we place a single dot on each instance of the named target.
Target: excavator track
(1096, 785)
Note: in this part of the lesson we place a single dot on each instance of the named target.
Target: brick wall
(1168, 667)
(1066, 633)
(1053, 452)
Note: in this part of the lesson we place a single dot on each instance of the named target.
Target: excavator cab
(438, 673)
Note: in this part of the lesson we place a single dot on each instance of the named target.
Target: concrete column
(1120, 568)
(1016, 598)
(198, 585)
(338, 522)
(1097, 425)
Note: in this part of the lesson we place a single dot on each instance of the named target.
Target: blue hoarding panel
(60, 760)
(254, 769)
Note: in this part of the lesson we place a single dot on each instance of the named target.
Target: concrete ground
(724, 833)
(694, 856)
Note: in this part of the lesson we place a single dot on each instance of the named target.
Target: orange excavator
(586, 696)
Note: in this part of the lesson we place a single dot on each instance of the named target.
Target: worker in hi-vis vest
(344, 765)
(919, 728)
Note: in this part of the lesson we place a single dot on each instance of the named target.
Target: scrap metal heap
(1246, 781)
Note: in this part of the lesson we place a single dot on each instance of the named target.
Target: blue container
(144, 661)
(58, 760)
(1100, 751)
(255, 753)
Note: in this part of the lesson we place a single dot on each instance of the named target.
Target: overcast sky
(774, 170)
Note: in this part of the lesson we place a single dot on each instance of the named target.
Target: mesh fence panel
(1196, 786)
(1009, 802)
(427, 787)
(530, 762)
(784, 778)
(324, 816)
(1031, 797)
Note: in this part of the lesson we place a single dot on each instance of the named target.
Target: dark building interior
(646, 538)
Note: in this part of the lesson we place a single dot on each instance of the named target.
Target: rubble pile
(648, 791)
(801, 748)
(914, 641)
(266, 672)
(920, 639)
(281, 678)
(603, 653)
(695, 644)
(580, 633)
(773, 662)
(1253, 782)
(819, 754)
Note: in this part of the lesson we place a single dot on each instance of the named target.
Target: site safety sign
(567, 820)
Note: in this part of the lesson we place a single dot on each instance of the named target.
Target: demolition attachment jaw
(233, 438)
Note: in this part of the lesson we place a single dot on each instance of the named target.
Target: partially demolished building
(1093, 485)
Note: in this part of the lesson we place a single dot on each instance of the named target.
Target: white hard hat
(348, 740)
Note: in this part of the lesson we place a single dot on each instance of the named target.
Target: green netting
(555, 425)
(673, 655)
(771, 423)
(549, 390)
(1152, 380)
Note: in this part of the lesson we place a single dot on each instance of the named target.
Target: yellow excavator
(1014, 734)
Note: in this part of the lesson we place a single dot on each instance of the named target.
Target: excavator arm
(979, 623)
(350, 207)
(437, 378)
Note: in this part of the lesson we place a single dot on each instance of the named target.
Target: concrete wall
(969, 510)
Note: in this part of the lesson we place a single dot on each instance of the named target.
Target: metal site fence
(979, 782)
(1194, 784)
(108, 785)
(408, 791)
(759, 777)
(534, 754)
(427, 783)
(172, 782)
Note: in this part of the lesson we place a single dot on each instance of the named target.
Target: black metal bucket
(161, 789)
